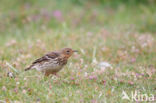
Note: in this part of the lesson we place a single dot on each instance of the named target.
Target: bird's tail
(30, 67)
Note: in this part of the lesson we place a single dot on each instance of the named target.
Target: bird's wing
(49, 56)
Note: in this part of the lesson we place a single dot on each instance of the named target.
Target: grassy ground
(124, 36)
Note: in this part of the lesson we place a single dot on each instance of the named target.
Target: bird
(52, 62)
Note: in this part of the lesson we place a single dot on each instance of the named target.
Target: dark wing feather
(51, 55)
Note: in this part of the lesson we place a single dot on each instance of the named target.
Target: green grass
(123, 36)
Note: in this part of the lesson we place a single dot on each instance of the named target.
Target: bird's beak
(75, 51)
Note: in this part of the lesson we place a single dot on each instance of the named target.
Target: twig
(15, 70)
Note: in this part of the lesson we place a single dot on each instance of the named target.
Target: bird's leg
(56, 74)
(46, 74)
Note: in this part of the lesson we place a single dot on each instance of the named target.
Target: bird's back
(52, 62)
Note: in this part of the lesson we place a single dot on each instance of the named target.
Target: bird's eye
(68, 51)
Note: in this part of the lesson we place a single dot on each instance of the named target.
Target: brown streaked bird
(52, 62)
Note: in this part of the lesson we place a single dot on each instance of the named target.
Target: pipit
(52, 62)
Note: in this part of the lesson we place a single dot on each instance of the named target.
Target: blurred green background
(91, 14)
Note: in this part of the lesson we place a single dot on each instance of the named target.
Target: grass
(123, 36)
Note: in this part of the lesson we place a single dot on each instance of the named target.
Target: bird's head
(67, 52)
